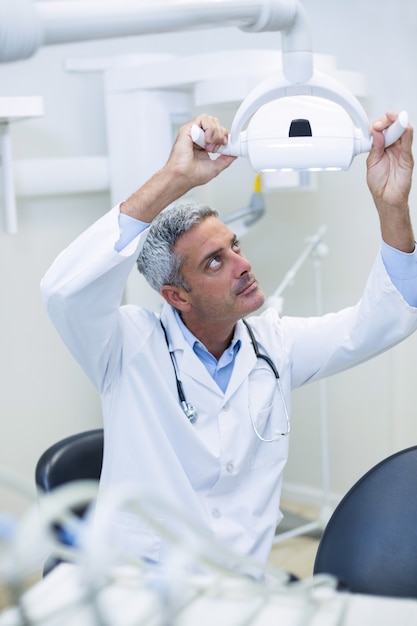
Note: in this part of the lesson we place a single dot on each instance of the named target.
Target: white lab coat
(215, 471)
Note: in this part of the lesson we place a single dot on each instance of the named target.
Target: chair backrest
(370, 541)
(76, 457)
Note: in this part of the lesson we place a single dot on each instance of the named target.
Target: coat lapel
(245, 361)
(187, 361)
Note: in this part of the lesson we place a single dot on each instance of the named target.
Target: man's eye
(236, 246)
(214, 262)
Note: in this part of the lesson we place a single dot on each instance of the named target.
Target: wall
(44, 396)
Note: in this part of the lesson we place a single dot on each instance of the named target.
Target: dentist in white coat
(221, 464)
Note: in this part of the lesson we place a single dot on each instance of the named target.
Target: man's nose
(243, 266)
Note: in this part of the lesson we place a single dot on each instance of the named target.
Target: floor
(296, 555)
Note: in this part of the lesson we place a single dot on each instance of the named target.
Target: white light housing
(299, 133)
(340, 130)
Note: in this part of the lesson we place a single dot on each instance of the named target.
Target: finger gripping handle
(197, 135)
(394, 132)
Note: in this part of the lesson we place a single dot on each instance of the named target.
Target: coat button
(230, 468)
(216, 513)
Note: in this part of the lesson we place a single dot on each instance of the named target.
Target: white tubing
(25, 25)
(61, 176)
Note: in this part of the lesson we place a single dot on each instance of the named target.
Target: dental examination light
(315, 125)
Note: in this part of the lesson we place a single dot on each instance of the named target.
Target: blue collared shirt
(220, 370)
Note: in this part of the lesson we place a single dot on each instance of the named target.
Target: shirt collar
(194, 342)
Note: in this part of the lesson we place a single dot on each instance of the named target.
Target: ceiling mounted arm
(26, 25)
(297, 49)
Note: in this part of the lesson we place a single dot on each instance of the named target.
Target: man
(192, 414)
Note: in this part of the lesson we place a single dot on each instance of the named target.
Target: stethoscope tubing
(191, 412)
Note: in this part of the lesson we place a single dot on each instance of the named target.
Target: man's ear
(176, 297)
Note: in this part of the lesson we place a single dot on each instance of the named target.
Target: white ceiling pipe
(61, 175)
(88, 19)
(26, 25)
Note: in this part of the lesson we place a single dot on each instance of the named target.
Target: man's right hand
(194, 163)
(188, 166)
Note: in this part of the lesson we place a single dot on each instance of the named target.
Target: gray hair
(157, 260)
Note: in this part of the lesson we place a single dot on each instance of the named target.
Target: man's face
(222, 285)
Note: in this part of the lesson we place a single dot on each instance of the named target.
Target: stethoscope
(191, 412)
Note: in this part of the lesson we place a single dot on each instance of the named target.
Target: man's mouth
(247, 288)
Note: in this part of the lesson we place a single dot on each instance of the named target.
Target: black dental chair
(77, 457)
(370, 542)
